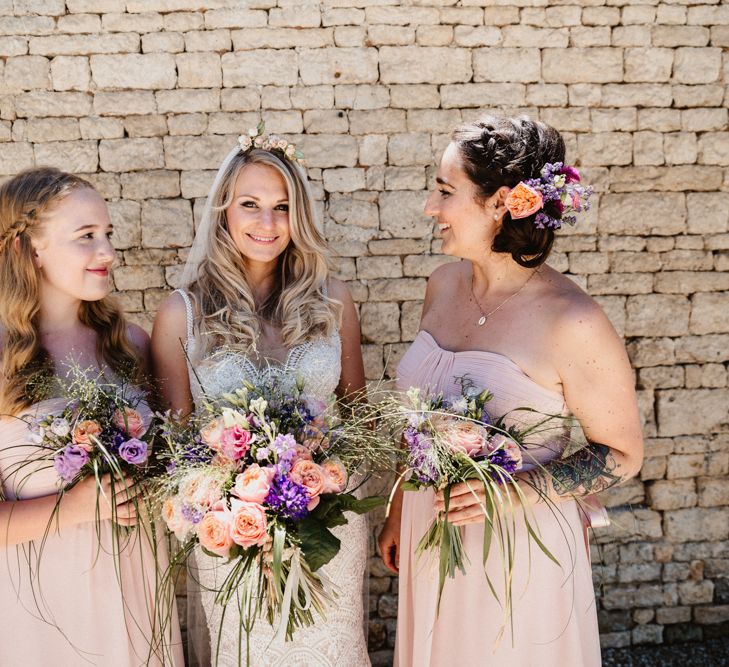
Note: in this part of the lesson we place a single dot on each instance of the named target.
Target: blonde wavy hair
(25, 202)
(298, 304)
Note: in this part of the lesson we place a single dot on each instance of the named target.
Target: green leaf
(350, 503)
(410, 486)
(317, 542)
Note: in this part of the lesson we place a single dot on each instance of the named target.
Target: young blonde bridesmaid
(64, 595)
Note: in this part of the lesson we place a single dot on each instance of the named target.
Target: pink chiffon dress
(553, 621)
(66, 600)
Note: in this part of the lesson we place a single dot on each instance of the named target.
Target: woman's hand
(81, 500)
(467, 503)
(389, 543)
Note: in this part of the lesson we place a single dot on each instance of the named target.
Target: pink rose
(85, 432)
(201, 489)
(249, 524)
(211, 434)
(253, 484)
(130, 421)
(311, 476)
(302, 452)
(336, 476)
(514, 452)
(235, 442)
(214, 530)
(466, 437)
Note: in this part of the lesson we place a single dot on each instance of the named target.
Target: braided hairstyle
(24, 202)
(500, 152)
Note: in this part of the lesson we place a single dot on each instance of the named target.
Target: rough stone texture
(146, 97)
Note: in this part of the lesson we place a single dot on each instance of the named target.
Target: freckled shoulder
(138, 337)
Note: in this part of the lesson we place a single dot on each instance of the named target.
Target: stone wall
(146, 97)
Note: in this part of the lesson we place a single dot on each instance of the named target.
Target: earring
(496, 216)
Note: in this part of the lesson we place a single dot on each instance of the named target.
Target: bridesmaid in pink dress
(510, 323)
(64, 599)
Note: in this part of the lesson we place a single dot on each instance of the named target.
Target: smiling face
(73, 249)
(258, 215)
(467, 226)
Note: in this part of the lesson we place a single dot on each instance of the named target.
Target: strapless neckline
(488, 353)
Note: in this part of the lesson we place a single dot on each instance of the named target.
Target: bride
(258, 304)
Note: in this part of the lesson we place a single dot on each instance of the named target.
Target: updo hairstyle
(500, 152)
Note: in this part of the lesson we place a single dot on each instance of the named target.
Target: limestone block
(530, 36)
(193, 100)
(379, 267)
(424, 64)
(482, 35)
(93, 127)
(196, 152)
(344, 179)
(396, 289)
(123, 22)
(13, 46)
(713, 492)
(681, 466)
(512, 65)
(338, 65)
(146, 126)
(240, 17)
(605, 148)
(402, 15)
(401, 214)
(631, 35)
(342, 16)
(648, 148)
(373, 149)
(545, 95)
(276, 97)
(84, 45)
(217, 41)
(329, 150)
(588, 65)
(714, 148)
(131, 154)
(312, 97)
(638, 15)
(138, 277)
(463, 95)
(52, 129)
(637, 94)
(688, 411)
(157, 42)
(710, 313)
(16, 156)
(198, 70)
(283, 38)
(642, 213)
(381, 121)
(698, 95)
(318, 121)
(696, 592)
(681, 148)
(390, 35)
(146, 71)
(261, 67)
(150, 184)
(648, 64)
(350, 36)
(404, 178)
(240, 99)
(295, 16)
(680, 35)
(196, 183)
(167, 223)
(26, 25)
(701, 120)
(72, 156)
(657, 314)
(697, 65)
(409, 149)
(708, 213)
(70, 73)
(127, 103)
(95, 6)
(380, 322)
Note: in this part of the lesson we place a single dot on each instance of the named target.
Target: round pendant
(482, 320)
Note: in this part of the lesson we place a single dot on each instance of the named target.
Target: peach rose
(214, 531)
(235, 442)
(211, 434)
(523, 201)
(177, 523)
(253, 484)
(466, 437)
(336, 476)
(130, 421)
(201, 489)
(84, 432)
(249, 524)
(311, 476)
(302, 452)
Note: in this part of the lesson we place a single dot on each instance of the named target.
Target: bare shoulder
(172, 313)
(338, 290)
(447, 276)
(138, 337)
(575, 315)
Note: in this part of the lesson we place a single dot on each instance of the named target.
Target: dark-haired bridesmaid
(514, 325)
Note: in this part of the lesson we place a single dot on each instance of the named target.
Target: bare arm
(599, 389)
(169, 363)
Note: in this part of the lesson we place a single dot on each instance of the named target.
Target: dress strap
(188, 308)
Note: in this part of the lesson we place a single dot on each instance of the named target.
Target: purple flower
(193, 514)
(421, 459)
(69, 461)
(571, 174)
(134, 451)
(288, 498)
(283, 443)
(501, 459)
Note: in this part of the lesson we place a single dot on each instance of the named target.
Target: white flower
(290, 151)
(460, 405)
(60, 427)
(259, 405)
(413, 395)
(234, 418)
(253, 132)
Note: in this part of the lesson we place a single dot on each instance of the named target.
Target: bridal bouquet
(259, 479)
(453, 440)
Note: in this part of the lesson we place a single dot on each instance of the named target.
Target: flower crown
(555, 196)
(255, 139)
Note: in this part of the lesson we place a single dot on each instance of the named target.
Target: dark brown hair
(500, 152)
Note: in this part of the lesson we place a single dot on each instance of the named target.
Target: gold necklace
(485, 316)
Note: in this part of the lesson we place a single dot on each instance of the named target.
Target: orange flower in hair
(523, 201)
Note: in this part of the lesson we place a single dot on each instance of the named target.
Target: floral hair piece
(256, 139)
(555, 196)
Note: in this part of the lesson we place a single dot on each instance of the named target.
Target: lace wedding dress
(338, 640)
